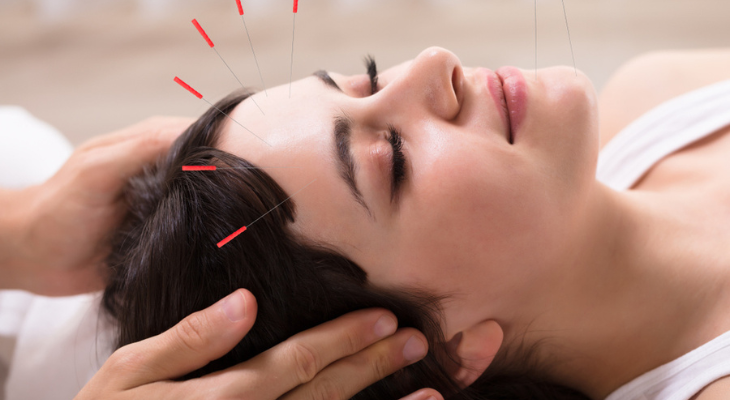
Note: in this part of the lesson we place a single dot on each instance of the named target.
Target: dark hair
(165, 265)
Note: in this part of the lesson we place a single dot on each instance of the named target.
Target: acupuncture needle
(243, 229)
(240, 12)
(293, 29)
(212, 46)
(200, 96)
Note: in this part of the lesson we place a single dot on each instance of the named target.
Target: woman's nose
(432, 83)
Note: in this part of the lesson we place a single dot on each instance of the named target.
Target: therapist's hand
(63, 225)
(333, 361)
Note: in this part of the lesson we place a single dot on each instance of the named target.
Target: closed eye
(398, 163)
(398, 166)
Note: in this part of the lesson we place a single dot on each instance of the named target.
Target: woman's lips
(494, 83)
(515, 93)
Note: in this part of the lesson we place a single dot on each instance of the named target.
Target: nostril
(456, 83)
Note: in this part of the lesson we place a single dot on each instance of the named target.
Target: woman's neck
(639, 289)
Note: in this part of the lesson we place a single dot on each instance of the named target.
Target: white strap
(662, 131)
(682, 378)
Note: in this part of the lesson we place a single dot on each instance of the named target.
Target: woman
(464, 201)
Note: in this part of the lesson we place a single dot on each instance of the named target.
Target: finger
(298, 359)
(154, 125)
(195, 341)
(424, 394)
(345, 378)
(191, 389)
(109, 167)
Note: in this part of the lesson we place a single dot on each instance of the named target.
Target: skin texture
(467, 188)
(698, 169)
(518, 234)
(52, 237)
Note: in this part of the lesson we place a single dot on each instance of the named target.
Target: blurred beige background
(92, 66)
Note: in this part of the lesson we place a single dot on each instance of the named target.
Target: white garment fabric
(60, 345)
(60, 342)
(49, 347)
(31, 151)
(663, 130)
(682, 378)
(623, 161)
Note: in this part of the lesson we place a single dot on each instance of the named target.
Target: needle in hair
(215, 168)
(565, 14)
(200, 96)
(293, 29)
(240, 12)
(241, 230)
(212, 46)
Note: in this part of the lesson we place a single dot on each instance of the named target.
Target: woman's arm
(651, 79)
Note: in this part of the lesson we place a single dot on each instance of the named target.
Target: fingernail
(414, 349)
(385, 326)
(234, 306)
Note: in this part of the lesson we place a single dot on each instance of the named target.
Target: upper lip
(505, 109)
(500, 101)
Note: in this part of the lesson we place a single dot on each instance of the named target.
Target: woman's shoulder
(648, 80)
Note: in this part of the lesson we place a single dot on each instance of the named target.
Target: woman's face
(475, 217)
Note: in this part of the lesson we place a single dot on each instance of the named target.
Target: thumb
(195, 341)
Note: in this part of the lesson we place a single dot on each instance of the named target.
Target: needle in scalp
(243, 229)
(200, 96)
(212, 46)
(240, 12)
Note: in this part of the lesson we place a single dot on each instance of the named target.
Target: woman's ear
(475, 349)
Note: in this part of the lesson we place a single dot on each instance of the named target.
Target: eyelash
(399, 159)
(372, 73)
(394, 137)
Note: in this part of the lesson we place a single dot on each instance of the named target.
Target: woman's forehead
(277, 122)
(300, 131)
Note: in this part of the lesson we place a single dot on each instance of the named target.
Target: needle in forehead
(240, 11)
(212, 46)
(535, 39)
(293, 28)
(200, 96)
(565, 14)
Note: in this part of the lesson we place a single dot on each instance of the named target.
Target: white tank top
(626, 158)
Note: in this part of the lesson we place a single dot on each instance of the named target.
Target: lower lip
(495, 89)
(515, 92)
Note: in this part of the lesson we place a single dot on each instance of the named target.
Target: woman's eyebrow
(327, 79)
(345, 161)
(342, 134)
